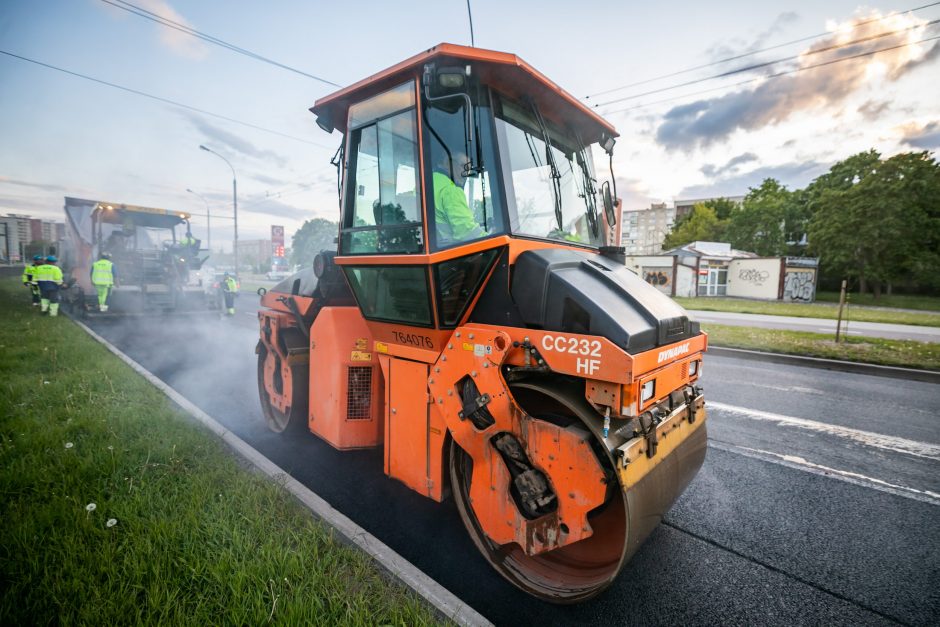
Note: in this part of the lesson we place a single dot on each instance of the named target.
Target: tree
(702, 224)
(770, 222)
(879, 221)
(315, 235)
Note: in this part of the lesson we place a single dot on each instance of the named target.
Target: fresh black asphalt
(750, 542)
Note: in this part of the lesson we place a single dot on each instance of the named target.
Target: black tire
(295, 420)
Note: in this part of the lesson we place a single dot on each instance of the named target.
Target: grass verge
(901, 301)
(902, 353)
(828, 311)
(117, 509)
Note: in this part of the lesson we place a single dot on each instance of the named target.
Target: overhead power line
(164, 21)
(757, 66)
(752, 53)
(164, 100)
(770, 76)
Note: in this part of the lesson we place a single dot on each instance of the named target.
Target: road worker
(49, 278)
(29, 279)
(229, 287)
(452, 215)
(102, 277)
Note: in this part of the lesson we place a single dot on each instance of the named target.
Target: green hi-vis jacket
(48, 273)
(28, 273)
(229, 285)
(102, 272)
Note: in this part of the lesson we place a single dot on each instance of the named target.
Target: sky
(63, 135)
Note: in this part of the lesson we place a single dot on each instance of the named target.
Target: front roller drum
(581, 570)
(294, 419)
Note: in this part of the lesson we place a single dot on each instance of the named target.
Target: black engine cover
(572, 291)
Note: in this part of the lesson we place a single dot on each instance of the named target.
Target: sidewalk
(821, 325)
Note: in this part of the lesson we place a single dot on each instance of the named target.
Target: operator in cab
(452, 215)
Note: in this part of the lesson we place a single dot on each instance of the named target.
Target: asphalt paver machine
(156, 271)
(477, 325)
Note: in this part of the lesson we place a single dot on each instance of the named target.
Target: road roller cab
(477, 322)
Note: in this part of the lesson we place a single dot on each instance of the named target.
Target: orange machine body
(560, 409)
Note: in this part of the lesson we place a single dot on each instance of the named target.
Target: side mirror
(262, 291)
(609, 211)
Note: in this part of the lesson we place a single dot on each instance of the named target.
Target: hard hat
(37, 257)
(105, 255)
(51, 259)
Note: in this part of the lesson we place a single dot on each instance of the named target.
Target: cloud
(794, 175)
(172, 37)
(738, 46)
(233, 142)
(926, 137)
(713, 171)
(871, 110)
(46, 187)
(708, 121)
(277, 209)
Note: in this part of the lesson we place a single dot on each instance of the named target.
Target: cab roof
(503, 71)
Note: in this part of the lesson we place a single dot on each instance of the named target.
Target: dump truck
(477, 322)
(155, 271)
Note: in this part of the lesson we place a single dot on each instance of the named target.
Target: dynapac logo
(675, 351)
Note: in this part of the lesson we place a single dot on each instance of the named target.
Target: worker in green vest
(29, 279)
(452, 215)
(49, 278)
(102, 277)
(229, 288)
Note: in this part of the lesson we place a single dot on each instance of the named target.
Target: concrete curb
(445, 602)
(893, 372)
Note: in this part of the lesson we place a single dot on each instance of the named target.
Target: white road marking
(799, 463)
(877, 440)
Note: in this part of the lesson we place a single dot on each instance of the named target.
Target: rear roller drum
(294, 420)
(569, 574)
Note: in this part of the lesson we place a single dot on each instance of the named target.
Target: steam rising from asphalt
(210, 361)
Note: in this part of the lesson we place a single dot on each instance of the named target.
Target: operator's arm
(451, 209)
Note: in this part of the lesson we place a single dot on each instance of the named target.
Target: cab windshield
(551, 192)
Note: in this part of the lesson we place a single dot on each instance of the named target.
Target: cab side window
(382, 212)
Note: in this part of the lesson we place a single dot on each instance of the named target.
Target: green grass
(903, 353)
(901, 301)
(199, 539)
(811, 310)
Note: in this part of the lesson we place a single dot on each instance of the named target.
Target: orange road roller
(478, 323)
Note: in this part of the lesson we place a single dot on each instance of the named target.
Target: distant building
(255, 252)
(716, 269)
(684, 207)
(644, 230)
(18, 231)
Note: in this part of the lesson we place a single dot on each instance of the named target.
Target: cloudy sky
(867, 79)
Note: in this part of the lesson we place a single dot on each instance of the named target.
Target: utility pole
(841, 306)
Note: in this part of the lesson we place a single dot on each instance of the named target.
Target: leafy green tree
(770, 222)
(878, 222)
(315, 235)
(702, 224)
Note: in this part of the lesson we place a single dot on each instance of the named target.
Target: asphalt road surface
(820, 325)
(818, 501)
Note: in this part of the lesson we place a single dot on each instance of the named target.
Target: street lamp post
(208, 226)
(234, 201)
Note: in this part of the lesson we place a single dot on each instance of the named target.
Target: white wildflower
(45, 383)
(110, 448)
(91, 507)
(69, 445)
(111, 522)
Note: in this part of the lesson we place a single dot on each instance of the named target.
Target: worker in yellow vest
(29, 279)
(229, 288)
(102, 277)
(49, 278)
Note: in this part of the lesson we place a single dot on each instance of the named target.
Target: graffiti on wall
(798, 285)
(660, 278)
(753, 276)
